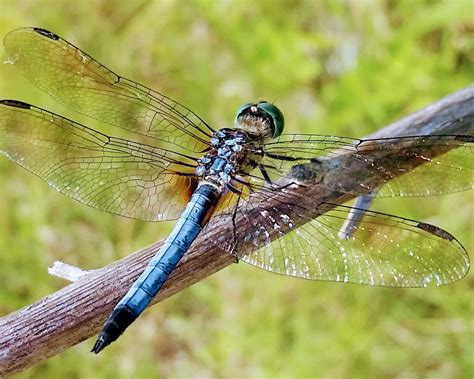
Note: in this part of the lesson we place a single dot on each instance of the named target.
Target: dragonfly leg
(234, 234)
(238, 193)
(267, 178)
(279, 188)
(265, 173)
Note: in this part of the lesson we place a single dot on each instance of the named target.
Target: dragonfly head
(260, 118)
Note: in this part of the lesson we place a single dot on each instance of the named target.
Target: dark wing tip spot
(435, 231)
(46, 33)
(15, 104)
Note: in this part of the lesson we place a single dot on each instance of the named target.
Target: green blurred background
(333, 67)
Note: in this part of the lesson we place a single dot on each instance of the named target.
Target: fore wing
(426, 165)
(76, 80)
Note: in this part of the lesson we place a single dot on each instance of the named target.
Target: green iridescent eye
(270, 110)
(276, 115)
(241, 109)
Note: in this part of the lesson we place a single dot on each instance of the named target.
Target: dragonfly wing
(116, 175)
(450, 172)
(75, 79)
(428, 165)
(384, 250)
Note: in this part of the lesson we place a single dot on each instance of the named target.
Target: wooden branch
(77, 312)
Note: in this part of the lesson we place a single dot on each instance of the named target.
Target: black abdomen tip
(114, 326)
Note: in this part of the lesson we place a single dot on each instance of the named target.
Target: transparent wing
(116, 175)
(384, 250)
(75, 79)
(308, 158)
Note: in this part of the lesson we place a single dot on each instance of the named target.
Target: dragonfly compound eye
(242, 109)
(268, 111)
(276, 116)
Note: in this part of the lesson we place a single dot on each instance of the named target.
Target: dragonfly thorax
(232, 152)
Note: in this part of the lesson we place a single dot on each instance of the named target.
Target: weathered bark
(78, 311)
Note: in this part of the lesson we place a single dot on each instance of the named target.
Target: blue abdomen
(193, 219)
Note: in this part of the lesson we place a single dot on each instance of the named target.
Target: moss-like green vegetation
(333, 67)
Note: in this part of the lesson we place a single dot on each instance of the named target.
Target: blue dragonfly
(181, 168)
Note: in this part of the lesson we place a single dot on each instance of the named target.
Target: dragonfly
(250, 176)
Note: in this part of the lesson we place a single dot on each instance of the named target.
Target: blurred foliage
(333, 67)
